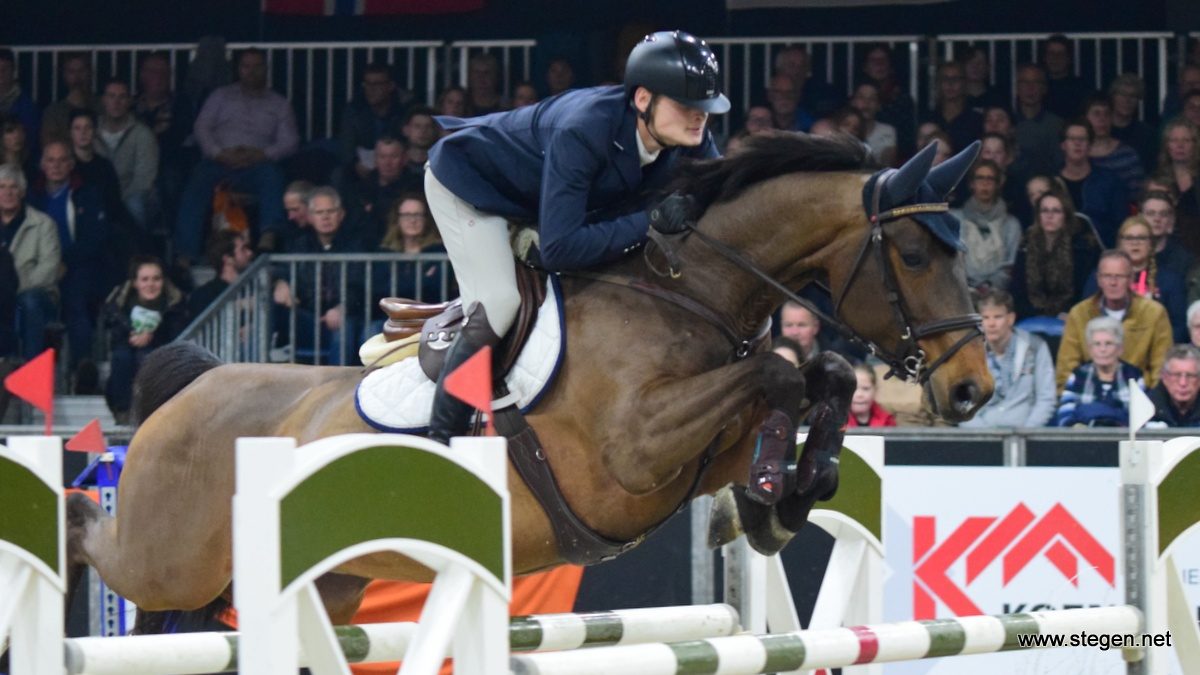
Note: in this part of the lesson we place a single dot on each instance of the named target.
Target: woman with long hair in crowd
(1179, 166)
(1058, 253)
(410, 229)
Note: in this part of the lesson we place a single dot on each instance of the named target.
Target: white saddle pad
(399, 397)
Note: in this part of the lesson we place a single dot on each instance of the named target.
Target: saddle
(439, 323)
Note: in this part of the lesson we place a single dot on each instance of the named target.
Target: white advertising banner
(993, 540)
(1186, 554)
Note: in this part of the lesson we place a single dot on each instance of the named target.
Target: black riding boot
(450, 416)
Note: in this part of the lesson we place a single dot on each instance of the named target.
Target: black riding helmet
(677, 65)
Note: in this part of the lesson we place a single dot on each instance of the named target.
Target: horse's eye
(913, 259)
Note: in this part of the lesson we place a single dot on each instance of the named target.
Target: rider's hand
(673, 214)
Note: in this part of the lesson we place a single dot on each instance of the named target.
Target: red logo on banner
(1016, 539)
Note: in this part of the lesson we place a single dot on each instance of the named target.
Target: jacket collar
(625, 150)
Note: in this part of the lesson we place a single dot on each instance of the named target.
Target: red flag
(89, 439)
(34, 383)
(472, 383)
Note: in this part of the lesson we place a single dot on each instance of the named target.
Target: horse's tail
(165, 372)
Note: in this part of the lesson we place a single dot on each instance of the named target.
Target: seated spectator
(1174, 397)
(452, 101)
(925, 133)
(1098, 193)
(1021, 368)
(1189, 81)
(951, 112)
(824, 127)
(367, 199)
(86, 239)
(560, 76)
(1191, 108)
(410, 229)
(1136, 239)
(799, 324)
(523, 94)
(14, 146)
(848, 121)
(133, 150)
(1038, 129)
(999, 149)
(244, 129)
(977, 69)
(758, 120)
(14, 102)
(1193, 319)
(1058, 254)
(998, 120)
(896, 106)
(76, 71)
(230, 254)
(945, 150)
(484, 95)
(142, 314)
(1037, 186)
(879, 136)
(784, 99)
(1108, 152)
(1126, 93)
(295, 207)
(816, 97)
(31, 238)
(1158, 208)
(322, 314)
(788, 349)
(1097, 392)
(171, 118)
(1065, 91)
(736, 142)
(1179, 167)
(420, 133)
(93, 168)
(991, 235)
(377, 113)
(864, 411)
(1146, 329)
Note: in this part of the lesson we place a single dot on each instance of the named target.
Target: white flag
(1141, 409)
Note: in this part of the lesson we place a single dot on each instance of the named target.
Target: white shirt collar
(644, 156)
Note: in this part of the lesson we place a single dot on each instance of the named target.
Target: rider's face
(677, 124)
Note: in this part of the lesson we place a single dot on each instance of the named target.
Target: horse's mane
(767, 156)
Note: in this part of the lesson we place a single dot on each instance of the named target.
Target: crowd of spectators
(1081, 219)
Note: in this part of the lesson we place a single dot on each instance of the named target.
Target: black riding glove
(672, 214)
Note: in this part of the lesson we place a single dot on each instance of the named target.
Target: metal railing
(247, 324)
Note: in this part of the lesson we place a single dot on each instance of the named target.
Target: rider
(557, 162)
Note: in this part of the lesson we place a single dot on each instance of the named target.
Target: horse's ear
(945, 176)
(903, 184)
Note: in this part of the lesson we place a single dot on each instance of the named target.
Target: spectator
(787, 348)
(997, 120)
(377, 113)
(736, 142)
(1179, 167)
(453, 102)
(560, 76)
(1097, 392)
(945, 147)
(799, 324)
(243, 130)
(1059, 253)
(142, 314)
(1191, 108)
(30, 236)
(209, 70)
(759, 120)
(77, 77)
(85, 237)
(1193, 319)
(1147, 331)
(864, 411)
(420, 131)
(1038, 129)
(784, 99)
(879, 136)
(367, 200)
(1159, 211)
(815, 95)
(1109, 153)
(1096, 192)
(1174, 397)
(171, 119)
(1126, 93)
(318, 303)
(295, 203)
(1165, 286)
(14, 102)
(484, 95)
(523, 94)
(1021, 368)
(1065, 90)
(848, 121)
(962, 123)
(991, 235)
(410, 230)
(1189, 81)
(230, 254)
(824, 127)
(896, 106)
(133, 150)
(92, 168)
(1037, 186)
(977, 69)
(999, 149)
(14, 146)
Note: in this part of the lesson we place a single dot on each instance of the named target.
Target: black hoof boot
(773, 470)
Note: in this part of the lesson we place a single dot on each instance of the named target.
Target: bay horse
(647, 391)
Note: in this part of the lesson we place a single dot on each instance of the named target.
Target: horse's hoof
(724, 523)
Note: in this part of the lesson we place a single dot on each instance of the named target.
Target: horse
(654, 403)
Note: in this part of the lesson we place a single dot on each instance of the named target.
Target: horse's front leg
(675, 421)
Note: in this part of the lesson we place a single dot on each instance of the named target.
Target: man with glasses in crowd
(1175, 396)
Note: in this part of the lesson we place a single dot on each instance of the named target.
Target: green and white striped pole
(835, 648)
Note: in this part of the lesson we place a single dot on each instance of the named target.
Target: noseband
(908, 361)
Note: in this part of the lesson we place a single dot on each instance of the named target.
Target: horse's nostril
(965, 393)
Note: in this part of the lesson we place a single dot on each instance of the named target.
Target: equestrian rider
(558, 162)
